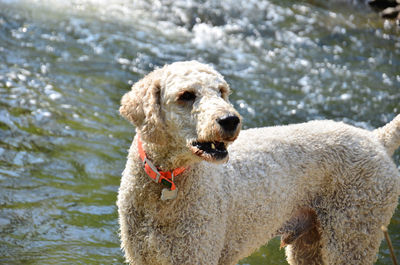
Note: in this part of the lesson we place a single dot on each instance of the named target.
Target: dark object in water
(391, 13)
(380, 5)
(388, 9)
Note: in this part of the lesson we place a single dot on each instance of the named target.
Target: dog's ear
(141, 106)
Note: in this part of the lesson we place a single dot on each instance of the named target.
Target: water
(64, 66)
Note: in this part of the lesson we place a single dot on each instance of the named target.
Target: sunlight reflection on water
(65, 64)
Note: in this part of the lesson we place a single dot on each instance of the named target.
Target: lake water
(64, 66)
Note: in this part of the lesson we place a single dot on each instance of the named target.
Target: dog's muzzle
(216, 150)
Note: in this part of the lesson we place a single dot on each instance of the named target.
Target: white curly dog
(325, 187)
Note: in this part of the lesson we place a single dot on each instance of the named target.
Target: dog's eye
(187, 96)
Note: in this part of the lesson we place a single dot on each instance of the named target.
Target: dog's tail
(389, 135)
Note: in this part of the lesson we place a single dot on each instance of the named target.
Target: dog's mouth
(210, 151)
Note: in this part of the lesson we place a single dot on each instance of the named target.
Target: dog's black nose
(229, 122)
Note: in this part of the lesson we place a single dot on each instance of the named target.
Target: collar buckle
(154, 170)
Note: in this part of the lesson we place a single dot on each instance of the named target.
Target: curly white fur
(223, 212)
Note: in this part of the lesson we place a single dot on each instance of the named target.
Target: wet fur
(325, 186)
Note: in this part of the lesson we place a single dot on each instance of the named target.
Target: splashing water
(65, 64)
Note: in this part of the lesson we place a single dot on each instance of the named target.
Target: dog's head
(184, 106)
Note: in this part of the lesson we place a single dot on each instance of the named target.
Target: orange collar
(164, 177)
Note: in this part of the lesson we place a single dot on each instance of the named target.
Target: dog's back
(341, 173)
